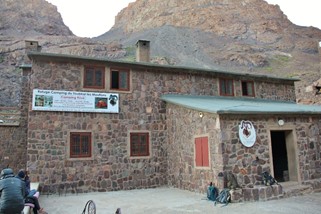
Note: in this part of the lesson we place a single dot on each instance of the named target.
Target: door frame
(291, 150)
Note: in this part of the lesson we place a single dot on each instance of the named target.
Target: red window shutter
(198, 151)
(205, 157)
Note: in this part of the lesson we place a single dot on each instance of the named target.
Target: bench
(27, 207)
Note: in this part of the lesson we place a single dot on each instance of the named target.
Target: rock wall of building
(140, 110)
(249, 163)
(112, 168)
(183, 126)
(13, 130)
(228, 154)
(13, 140)
(309, 145)
(279, 91)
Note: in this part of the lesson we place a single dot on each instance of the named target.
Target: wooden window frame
(243, 89)
(146, 152)
(202, 157)
(226, 84)
(71, 144)
(95, 68)
(127, 71)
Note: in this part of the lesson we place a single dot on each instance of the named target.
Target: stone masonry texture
(172, 131)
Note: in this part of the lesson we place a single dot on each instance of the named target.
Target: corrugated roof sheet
(236, 105)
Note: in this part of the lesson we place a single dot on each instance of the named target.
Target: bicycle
(90, 206)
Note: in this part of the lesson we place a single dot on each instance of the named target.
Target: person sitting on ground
(23, 175)
(12, 192)
(31, 196)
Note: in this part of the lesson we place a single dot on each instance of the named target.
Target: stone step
(257, 193)
(295, 189)
(264, 193)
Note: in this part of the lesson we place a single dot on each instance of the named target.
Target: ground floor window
(80, 144)
(139, 144)
(201, 152)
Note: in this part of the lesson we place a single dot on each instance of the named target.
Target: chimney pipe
(32, 46)
(142, 51)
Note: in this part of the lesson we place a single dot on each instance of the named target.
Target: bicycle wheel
(91, 207)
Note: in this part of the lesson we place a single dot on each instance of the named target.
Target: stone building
(104, 125)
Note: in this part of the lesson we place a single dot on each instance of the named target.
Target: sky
(91, 18)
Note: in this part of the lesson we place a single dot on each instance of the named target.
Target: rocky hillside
(245, 30)
(31, 17)
(244, 36)
(37, 20)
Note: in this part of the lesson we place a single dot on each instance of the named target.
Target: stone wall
(13, 130)
(140, 110)
(259, 193)
(248, 163)
(309, 145)
(13, 140)
(111, 168)
(183, 126)
(227, 154)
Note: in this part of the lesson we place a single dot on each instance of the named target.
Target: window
(119, 79)
(201, 152)
(226, 87)
(139, 144)
(248, 88)
(80, 144)
(94, 77)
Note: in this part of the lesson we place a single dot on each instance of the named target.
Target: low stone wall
(264, 193)
(315, 184)
(257, 193)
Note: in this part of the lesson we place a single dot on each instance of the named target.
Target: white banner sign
(74, 101)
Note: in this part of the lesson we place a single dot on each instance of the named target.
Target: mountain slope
(233, 35)
(243, 30)
(242, 36)
(31, 17)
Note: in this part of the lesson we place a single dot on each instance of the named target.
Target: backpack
(268, 180)
(224, 197)
(212, 193)
(232, 181)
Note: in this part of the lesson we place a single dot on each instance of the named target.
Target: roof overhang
(227, 105)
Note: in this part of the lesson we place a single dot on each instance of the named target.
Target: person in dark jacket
(29, 194)
(12, 192)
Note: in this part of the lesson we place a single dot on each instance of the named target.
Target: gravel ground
(174, 201)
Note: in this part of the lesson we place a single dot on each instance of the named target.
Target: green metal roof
(236, 105)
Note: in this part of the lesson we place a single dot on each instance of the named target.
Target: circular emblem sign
(247, 133)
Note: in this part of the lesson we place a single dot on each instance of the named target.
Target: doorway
(284, 156)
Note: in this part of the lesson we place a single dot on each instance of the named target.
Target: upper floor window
(201, 152)
(248, 88)
(119, 79)
(139, 144)
(94, 77)
(226, 87)
(80, 144)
